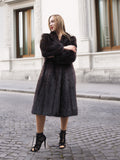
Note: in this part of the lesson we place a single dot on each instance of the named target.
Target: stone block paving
(92, 135)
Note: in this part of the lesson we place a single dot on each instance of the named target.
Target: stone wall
(80, 20)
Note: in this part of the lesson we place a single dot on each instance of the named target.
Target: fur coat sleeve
(68, 56)
(53, 49)
(50, 46)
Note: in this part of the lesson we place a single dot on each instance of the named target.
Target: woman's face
(53, 23)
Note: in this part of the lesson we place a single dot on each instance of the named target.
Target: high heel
(45, 144)
(62, 142)
(40, 138)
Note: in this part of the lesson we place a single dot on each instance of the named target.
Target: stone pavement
(86, 90)
(92, 135)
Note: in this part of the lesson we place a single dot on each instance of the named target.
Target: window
(108, 24)
(25, 32)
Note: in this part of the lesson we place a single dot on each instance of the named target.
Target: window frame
(110, 20)
(29, 45)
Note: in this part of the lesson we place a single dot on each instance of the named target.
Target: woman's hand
(70, 47)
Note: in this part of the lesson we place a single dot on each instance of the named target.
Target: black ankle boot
(62, 142)
(40, 138)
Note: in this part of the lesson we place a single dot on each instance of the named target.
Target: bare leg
(64, 122)
(40, 121)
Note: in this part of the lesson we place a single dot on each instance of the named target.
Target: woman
(55, 92)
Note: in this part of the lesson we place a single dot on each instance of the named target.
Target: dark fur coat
(56, 91)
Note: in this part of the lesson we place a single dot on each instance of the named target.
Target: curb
(17, 91)
(78, 95)
(101, 97)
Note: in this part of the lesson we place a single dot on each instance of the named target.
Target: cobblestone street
(92, 135)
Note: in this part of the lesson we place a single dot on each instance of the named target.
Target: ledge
(22, 59)
(13, 1)
(98, 53)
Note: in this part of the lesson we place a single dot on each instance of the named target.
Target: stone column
(92, 26)
(4, 41)
(5, 32)
(83, 28)
(37, 26)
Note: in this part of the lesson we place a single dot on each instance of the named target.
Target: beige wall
(80, 20)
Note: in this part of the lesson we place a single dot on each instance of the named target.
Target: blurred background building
(95, 23)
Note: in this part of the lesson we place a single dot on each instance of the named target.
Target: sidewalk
(94, 134)
(85, 90)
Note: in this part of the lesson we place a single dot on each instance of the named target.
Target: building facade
(95, 23)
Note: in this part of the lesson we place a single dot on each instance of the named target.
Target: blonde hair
(60, 24)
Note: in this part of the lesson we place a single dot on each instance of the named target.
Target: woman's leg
(40, 121)
(64, 122)
(62, 142)
(40, 137)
